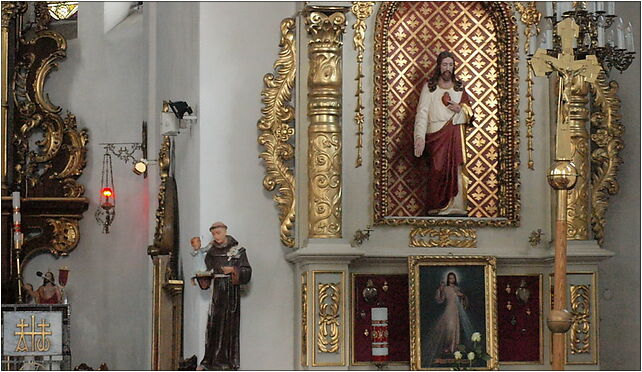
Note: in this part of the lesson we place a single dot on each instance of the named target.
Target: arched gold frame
(508, 97)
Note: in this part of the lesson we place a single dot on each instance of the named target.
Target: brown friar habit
(222, 347)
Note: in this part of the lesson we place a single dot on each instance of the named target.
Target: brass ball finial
(559, 321)
(562, 175)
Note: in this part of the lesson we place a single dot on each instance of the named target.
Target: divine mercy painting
(452, 312)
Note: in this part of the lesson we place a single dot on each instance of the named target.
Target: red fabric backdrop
(396, 299)
(519, 332)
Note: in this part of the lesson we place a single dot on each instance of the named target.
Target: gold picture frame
(475, 289)
(395, 202)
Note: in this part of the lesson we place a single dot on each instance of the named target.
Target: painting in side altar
(445, 113)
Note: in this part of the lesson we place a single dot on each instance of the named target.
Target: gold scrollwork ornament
(276, 130)
(581, 310)
(329, 301)
(443, 237)
(607, 135)
(65, 237)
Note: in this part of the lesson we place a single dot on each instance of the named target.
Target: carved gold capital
(578, 197)
(326, 26)
(443, 237)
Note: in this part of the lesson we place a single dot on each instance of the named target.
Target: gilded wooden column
(325, 26)
(10, 10)
(579, 216)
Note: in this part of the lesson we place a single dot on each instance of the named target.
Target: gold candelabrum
(601, 32)
(603, 35)
(563, 174)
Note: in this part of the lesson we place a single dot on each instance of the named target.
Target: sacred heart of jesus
(445, 99)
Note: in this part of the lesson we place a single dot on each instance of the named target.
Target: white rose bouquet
(476, 354)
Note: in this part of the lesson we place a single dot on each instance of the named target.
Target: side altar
(401, 179)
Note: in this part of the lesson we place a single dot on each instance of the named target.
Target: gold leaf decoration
(276, 130)
(443, 237)
(608, 132)
(328, 338)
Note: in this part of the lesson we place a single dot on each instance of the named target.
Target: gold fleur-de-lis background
(418, 32)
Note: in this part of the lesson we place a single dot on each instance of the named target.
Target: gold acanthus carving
(10, 9)
(65, 237)
(277, 130)
(581, 310)
(76, 149)
(329, 303)
(37, 112)
(443, 237)
(607, 135)
(578, 197)
(362, 10)
(326, 29)
(304, 319)
(324, 112)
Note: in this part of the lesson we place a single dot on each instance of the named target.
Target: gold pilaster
(578, 197)
(325, 26)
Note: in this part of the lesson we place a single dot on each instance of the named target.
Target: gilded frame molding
(541, 323)
(508, 112)
(490, 264)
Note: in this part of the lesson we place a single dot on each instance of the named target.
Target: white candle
(620, 33)
(549, 9)
(600, 36)
(599, 6)
(590, 6)
(628, 35)
(17, 230)
(610, 37)
(547, 29)
(610, 7)
(532, 45)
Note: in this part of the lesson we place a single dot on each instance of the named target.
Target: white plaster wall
(619, 281)
(101, 83)
(173, 75)
(238, 44)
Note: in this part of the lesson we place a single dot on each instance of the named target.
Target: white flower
(476, 337)
(458, 355)
(471, 356)
(232, 252)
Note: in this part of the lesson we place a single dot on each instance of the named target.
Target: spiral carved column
(325, 26)
(579, 216)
